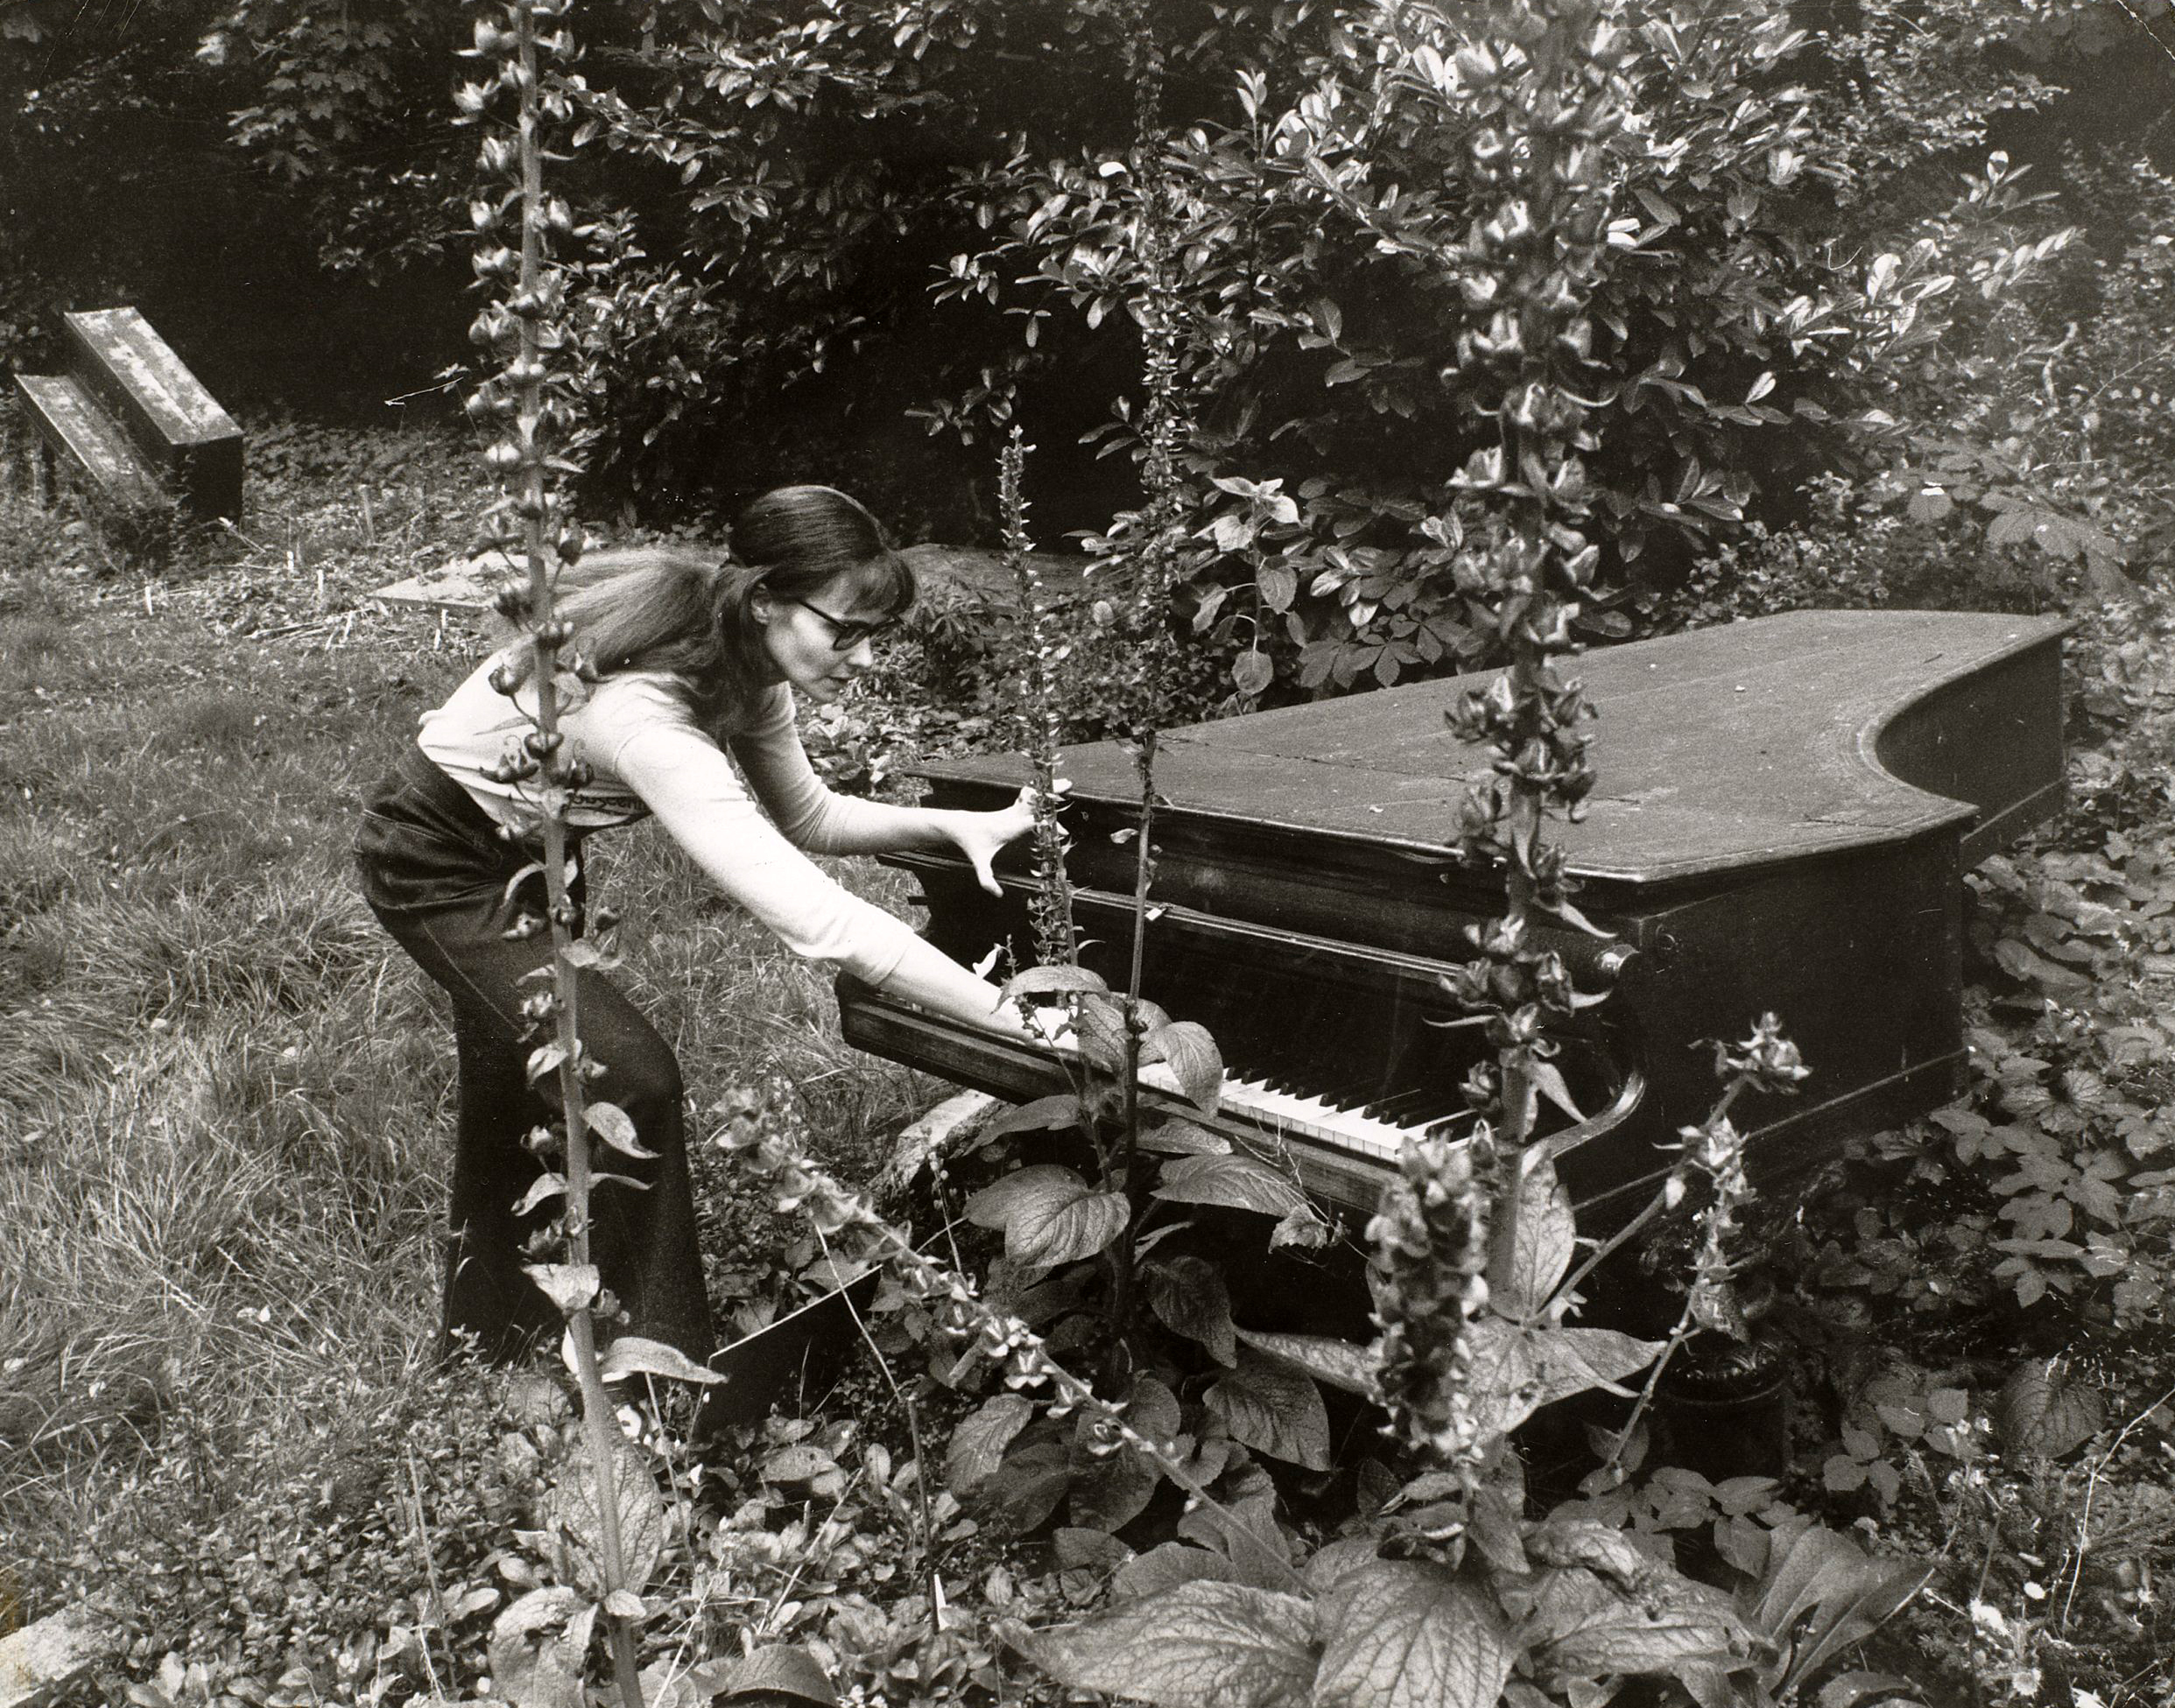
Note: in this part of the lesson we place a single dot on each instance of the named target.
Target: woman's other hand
(982, 836)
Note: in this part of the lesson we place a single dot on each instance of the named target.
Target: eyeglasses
(846, 635)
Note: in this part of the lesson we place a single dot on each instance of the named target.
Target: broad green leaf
(615, 1127)
(1821, 1593)
(1188, 1297)
(776, 1669)
(1045, 1113)
(1403, 1634)
(1182, 1138)
(1099, 1029)
(978, 1444)
(1049, 1215)
(1165, 1567)
(1026, 1488)
(572, 1508)
(536, 1649)
(1201, 1645)
(1273, 1409)
(1237, 1181)
(1303, 1226)
(1111, 1489)
(1051, 982)
(1582, 1627)
(1187, 1049)
(1517, 1370)
(545, 1185)
(632, 1355)
(572, 1287)
(1547, 1240)
(1341, 1363)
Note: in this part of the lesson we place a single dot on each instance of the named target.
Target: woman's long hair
(678, 610)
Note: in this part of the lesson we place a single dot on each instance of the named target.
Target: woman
(696, 657)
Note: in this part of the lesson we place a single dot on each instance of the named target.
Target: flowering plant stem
(520, 399)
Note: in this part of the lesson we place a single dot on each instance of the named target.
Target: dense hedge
(849, 240)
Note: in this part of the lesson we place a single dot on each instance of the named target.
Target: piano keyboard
(1268, 1109)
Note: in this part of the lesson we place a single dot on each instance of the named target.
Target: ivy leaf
(1274, 1409)
(1187, 1048)
(1188, 1297)
(978, 1444)
(1049, 1215)
(1404, 1634)
(632, 1355)
(1239, 1183)
(1341, 1363)
(1200, 1645)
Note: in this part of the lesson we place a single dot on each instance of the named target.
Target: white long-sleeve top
(647, 755)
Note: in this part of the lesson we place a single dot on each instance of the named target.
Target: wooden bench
(130, 421)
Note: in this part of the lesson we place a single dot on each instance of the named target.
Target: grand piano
(1785, 811)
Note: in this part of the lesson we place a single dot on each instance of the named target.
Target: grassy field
(225, 1097)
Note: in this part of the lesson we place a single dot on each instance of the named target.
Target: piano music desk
(1784, 812)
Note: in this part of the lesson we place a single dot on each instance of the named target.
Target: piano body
(1786, 810)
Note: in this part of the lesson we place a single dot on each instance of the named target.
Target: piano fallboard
(1786, 810)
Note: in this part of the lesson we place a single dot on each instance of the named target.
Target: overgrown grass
(225, 1097)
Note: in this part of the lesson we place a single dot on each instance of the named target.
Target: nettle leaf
(1188, 1297)
(1049, 1215)
(978, 1444)
(1194, 1060)
(1274, 1409)
(1517, 1370)
(1546, 1237)
(1236, 1182)
(1341, 1363)
(1200, 1645)
(1404, 1634)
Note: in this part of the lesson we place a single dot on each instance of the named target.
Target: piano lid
(1742, 746)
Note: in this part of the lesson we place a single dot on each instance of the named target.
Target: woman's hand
(982, 835)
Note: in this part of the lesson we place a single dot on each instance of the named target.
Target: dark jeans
(435, 870)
